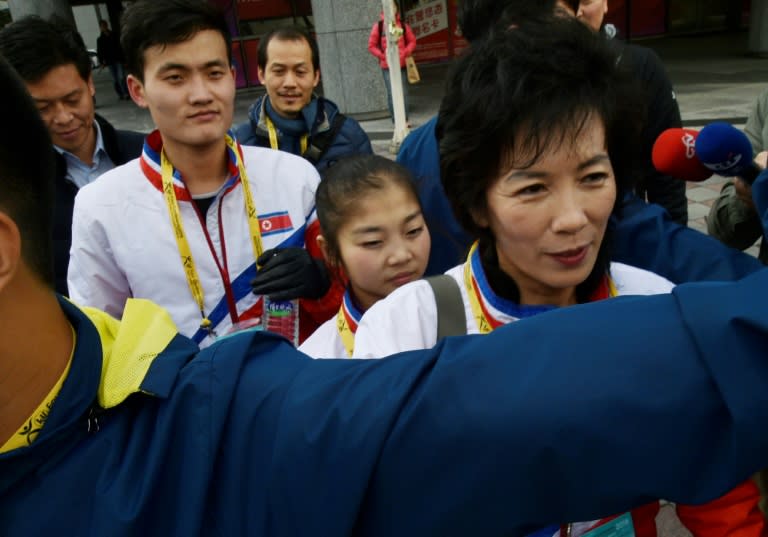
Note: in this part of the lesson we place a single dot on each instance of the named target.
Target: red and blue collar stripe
(150, 163)
(351, 312)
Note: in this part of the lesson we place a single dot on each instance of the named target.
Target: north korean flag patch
(273, 223)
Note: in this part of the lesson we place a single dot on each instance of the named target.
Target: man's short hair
(476, 18)
(34, 46)
(26, 173)
(148, 23)
(288, 33)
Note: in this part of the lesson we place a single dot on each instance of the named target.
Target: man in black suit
(56, 69)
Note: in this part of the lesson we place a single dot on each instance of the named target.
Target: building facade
(434, 23)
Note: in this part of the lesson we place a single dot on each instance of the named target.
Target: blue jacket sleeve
(760, 197)
(636, 398)
(646, 237)
(450, 243)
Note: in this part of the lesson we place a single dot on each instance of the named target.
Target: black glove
(288, 273)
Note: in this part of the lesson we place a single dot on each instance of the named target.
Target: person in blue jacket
(126, 428)
(291, 117)
(645, 236)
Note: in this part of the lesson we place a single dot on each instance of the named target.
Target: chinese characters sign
(428, 19)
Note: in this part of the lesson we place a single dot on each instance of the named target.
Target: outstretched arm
(646, 237)
(570, 415)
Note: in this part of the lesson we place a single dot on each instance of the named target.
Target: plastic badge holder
(282, 317)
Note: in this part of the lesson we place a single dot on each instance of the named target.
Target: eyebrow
(375, 229)
(64, 98)
(528, 174)
(597, 159)
(170, 66)
(280, 65)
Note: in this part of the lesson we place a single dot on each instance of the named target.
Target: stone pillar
(44, 8)
(758, 28)
(350, 75)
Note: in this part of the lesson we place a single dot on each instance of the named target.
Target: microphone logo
(732, 162)
(689, 141)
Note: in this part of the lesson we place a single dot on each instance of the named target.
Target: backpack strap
(323, 140)
(451, 318)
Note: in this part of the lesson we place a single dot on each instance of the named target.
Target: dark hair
(573, 4)
(345, 183)
(289, 33)
(526, 92)
(34, 46)
(26, 184)
(476, 18)
(148, 23)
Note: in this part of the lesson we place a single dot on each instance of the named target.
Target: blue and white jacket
(149, 436)
(124, 244)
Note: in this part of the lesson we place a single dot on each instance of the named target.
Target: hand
(743, 192)
(395, 31)
(761, 159)
(288, 273)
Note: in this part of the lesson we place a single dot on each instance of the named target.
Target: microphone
(726, 150)
(674, 154)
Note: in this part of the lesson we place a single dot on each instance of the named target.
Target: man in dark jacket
(662, 111)
(290, 117)
(110, 55)
(57, 72)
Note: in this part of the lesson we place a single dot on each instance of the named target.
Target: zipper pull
(93, 421)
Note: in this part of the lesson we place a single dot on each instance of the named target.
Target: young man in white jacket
(185, 224)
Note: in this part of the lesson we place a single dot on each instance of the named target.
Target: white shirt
(80, 173)
(325, 342)
(407, 318)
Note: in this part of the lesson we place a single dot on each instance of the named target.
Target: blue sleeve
(760, 198)
(450, 243)
(646, 237)
(418, 151)
(637, 398)
(362, 142)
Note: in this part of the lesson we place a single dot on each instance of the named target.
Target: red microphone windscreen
(674, 154)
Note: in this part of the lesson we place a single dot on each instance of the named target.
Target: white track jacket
(123, 244)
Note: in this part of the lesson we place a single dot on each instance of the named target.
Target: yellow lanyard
(303, 141)
(345, 331)
(28, 432)
(485, 322)
(190, 271)
(346, 322)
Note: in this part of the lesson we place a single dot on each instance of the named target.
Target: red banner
(429, 22)
(268, 9)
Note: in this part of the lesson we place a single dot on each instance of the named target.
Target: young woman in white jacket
(373, 233)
